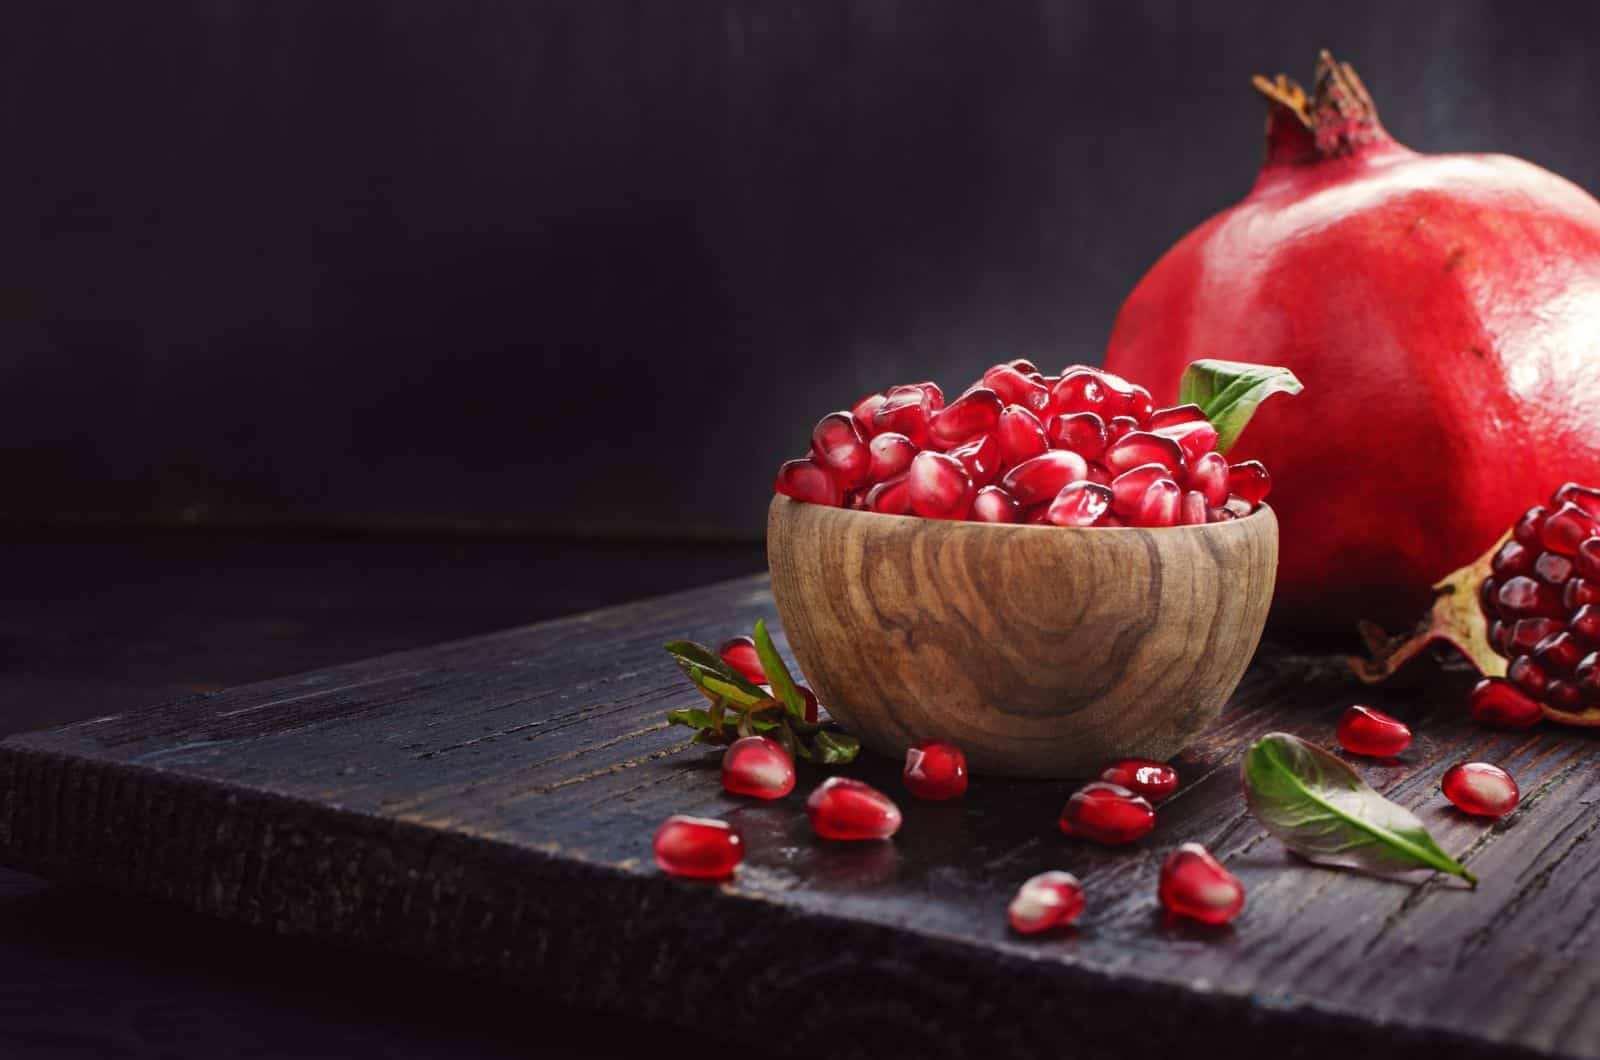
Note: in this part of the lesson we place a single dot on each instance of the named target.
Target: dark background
(595, 267)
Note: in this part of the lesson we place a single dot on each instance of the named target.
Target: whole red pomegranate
(1443, 312)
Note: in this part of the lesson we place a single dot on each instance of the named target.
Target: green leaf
(777, 673)
(834, 748)
(1319, 808)
(695, 719)
(712, 676)
(1229, 391)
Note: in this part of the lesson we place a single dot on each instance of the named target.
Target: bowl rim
(1003, 527)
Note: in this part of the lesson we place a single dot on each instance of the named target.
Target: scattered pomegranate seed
(1108, 814)
(1194, 438)
(1142, 776)
(1048, 900)
(1171, 417)
(842, 808)
(1080, 503)
(1496, 701)
(1480, 788)
(1250, 481)
(1040, 479)
(1160, 504)
(1566, 527)
(1016, 388)
(892, 496)
(1128, 488)
(891, 454)
(1364, 731)
(755, 765)
(1082, 432)
(1079, 390)
(740, 653)
(1021, 436)
(806, 481)
(1142, 447)
(935, 770)
(971, 414)
(1195, 884)
(1209, 475)
(940, 486)
(994, 505)
(698, 847)
(981, 457)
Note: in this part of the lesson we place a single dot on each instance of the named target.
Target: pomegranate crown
(1338, 118)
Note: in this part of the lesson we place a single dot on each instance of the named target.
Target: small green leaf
(834, 748)
(1318, 807)
(1229, 391)
(777, 673)
(695, 719)
(712, 676)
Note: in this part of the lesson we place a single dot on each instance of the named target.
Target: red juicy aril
(755, 765)
(1142, 776)
(1440, 310)
(842, 808)
(698, 847)
(1086, 448)
(1048, 900)
(1108, 814)
(1364, 731)
(1480, 788)
(1194, 884)
(935, 770)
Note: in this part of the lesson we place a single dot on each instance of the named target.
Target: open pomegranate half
(1527, 610)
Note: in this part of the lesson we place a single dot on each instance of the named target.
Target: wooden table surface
(486, 806)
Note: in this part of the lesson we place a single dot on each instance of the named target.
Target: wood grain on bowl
(1042, 651)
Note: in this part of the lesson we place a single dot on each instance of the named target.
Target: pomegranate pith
(1480, 788)
(1046, 901)
(697, 847)
(1195, 884)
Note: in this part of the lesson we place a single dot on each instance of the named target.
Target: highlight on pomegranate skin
(1142, 776)
(759, 767)
(846, 809)
(1481, 789)
(935, 770)
(1108, 814)
(701, 848)
(1196, 885)
(1044, 902)
(1364, 731)
(1085, 448)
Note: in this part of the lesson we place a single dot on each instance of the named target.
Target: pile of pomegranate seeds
(1364, 731)
(1542, 601)
(1480, 788)
(1085, 448)
(1194, 884)
(1048, 900)
(698, 847)
(935, 770)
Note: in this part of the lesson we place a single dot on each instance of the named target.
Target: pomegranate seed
(1562, 695)
(1585, 622)
(1209, 474)
(1194, 438)
(1250, 481)
(755, 765)
(1582, 496)
(1530, 528)
(1496, 701)
(1194, 884)
(1588, 559)
(1238, 506)
(1171, 417)
(1099, 475)
(1579, 592)
(1079, 390)
(994, 505)
(1082, 432)
(1364, 731)
(1488, 595)
(1526, 633)
(1480, 788)
(891, 454)
(1586, 675)
(981, 458)
(1038, 515)
(972, 414)
(1080, 503)
(1566, 528)
(1514, 558)
(1221, 515)
(935, 770)
(837, 445)
(1128, 488)
(698, 847)
(904, 412)
(1559, 653)
(1141, 406)
(740, 653)
(940, 486)
(935, 395)
(1015, 388)
(1023, 365)
(863, 410)
(1160, 504)
(1142, 776)
(1048, 900)
(1040, 479)
(1020, 435)
(1522, 597)
(1108, 814)
(1499, 635)
(892, 496)
(1527, 675)
(842, 808)
(1120, 398)
(1193, 509)
(1119, 427)
(1142, 447)
(810, 482)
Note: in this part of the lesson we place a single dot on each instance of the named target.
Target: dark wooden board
(487, 805)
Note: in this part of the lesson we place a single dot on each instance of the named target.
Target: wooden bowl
(1042, 651)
